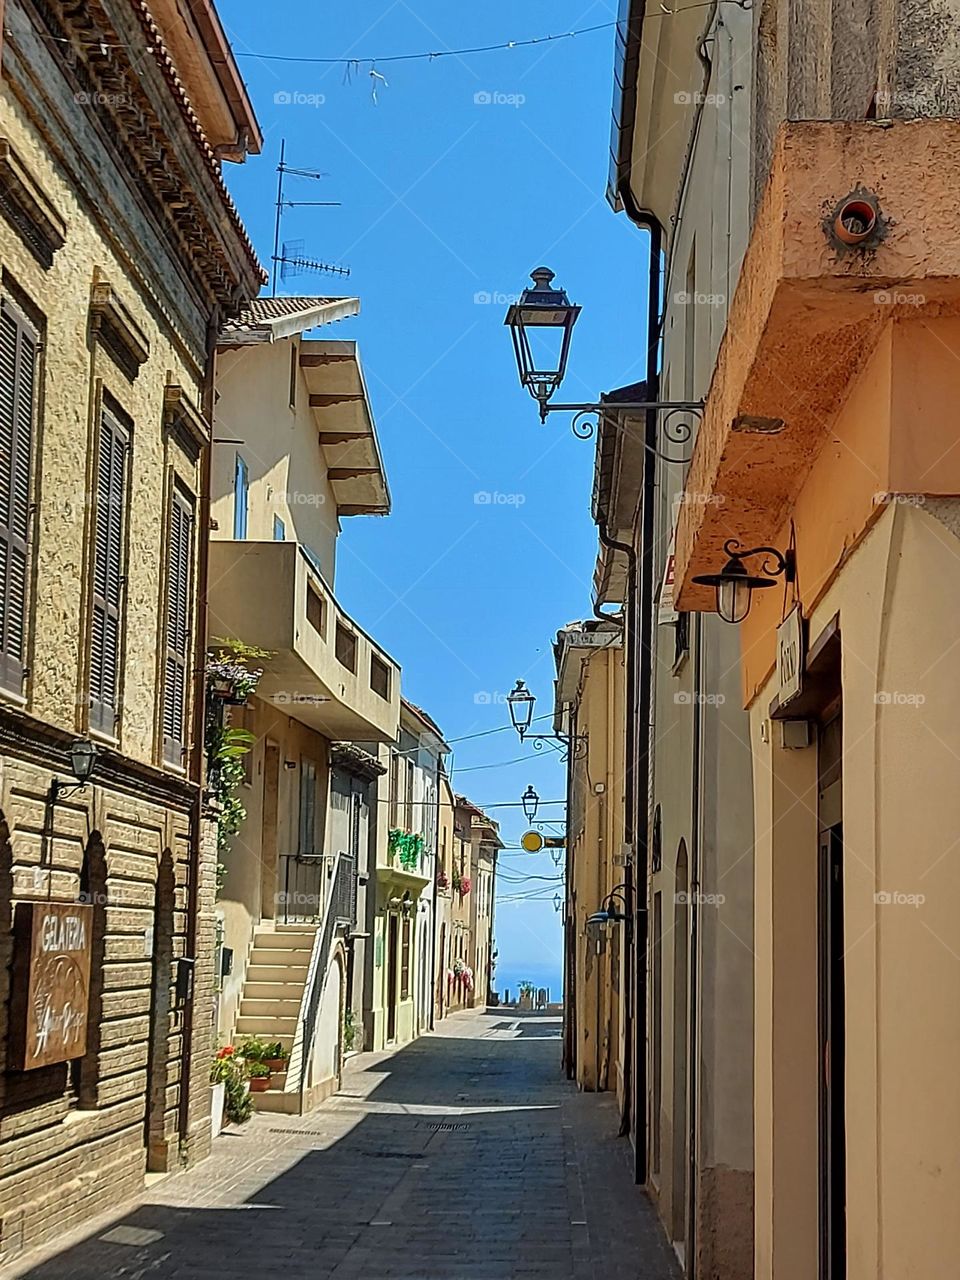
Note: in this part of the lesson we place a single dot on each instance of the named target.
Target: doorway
(678, 1217)
(268, 832)
(831, 1000)
(392, 948)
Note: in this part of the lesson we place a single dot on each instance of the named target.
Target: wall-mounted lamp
(521, 703)
(735, 586)
(609, 913)
(83, 761)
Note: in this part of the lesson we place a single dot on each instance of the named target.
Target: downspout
(629, 800)
(693, 1012)
(570, 923)
(433, 924)
(196, 757)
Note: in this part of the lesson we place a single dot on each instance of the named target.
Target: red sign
(51, 983)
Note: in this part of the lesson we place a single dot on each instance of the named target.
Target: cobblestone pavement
(464, 1156)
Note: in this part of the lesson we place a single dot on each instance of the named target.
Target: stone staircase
(272, 995)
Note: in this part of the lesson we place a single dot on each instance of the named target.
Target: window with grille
(18, 355)
(109, 532)
(178, 618)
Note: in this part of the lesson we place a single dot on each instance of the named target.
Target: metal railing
(340, 912)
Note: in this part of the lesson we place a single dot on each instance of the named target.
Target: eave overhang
(807, 313)
(346, 430)
(617, 485)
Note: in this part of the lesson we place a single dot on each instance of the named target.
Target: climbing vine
(407, 846)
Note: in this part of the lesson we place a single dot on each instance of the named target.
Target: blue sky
(465, 175)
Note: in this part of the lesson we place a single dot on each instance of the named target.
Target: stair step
(253, 1007)
(257, 989)
(293, 941)
(268, 1028)
(275, 955)
(277, 973)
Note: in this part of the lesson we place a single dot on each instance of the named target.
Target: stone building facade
(119, 250)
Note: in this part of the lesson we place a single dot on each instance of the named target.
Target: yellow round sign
(531, 841)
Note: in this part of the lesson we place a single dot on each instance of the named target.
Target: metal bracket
(675, 430)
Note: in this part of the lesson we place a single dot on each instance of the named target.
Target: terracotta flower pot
(277, 1064)
(259, 1084)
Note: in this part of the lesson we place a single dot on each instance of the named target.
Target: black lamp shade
(530, 801)
(83, 759)
(734, 588)
(541, 325)
(521, 702)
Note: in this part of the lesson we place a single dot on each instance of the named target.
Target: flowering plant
(443, 880)
(464, 886)
(230, 1069)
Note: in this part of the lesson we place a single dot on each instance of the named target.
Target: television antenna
(289, 257)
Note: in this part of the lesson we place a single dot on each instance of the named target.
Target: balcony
(325, 671)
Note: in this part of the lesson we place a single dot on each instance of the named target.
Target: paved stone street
(465, 1156)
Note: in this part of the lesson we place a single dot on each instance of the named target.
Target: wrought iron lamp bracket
(674, 428)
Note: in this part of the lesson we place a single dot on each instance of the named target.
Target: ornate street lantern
(521, 702)
(735, 586)
(541, 324)
(530, 801)
(83, 760)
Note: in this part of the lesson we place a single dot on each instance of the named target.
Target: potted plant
(228, 1071)
(277, 1057)
(260, 1075)
(443, 880)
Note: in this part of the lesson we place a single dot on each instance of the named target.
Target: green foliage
(230, 1070)
(258, 1070)
(527, 988)
(255, 1049)
(407, 845)
(350, 1030)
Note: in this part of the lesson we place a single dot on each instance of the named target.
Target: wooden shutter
(178, 613)
(18, 352)
(111, 499)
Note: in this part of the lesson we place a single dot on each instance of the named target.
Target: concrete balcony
(325, 671)
(833, 354)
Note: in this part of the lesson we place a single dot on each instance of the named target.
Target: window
(241, 498)
(408, 818)
(178, 614)
(346, 647)
(394, 804)
(379, 677)
(315, 611)
(308, 807)
(279, 530)
(109, 527)
(18, 351)
(405, 959)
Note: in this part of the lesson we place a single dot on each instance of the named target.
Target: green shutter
(111, 502)
(18, 353)
(177, 645)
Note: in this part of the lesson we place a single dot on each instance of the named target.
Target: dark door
(830, 975)
(833, 1207)
(392, 944)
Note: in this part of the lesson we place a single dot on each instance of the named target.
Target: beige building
(299, 452)
(446, 900)
(589, 708)
(810, 280)
(114, 269)
(402, 956)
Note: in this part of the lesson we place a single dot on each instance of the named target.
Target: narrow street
(465, 1156)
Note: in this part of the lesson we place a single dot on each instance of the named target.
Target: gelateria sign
(51, 983)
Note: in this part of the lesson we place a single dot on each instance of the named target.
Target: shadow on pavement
(469, 1159)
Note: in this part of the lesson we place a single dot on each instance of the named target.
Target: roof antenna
(294, 262)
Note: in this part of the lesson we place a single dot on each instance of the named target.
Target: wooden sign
(51, 983)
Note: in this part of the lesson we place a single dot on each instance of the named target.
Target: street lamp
(557, 902)
(543, 319)
(735, 586)
(83, 759)
(608, 913)
(551, 314)
(530, 801)
(520, 701)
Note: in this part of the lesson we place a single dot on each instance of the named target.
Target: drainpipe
(433, 923)
(640, 693)
(196, 758)
(693, 1012)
